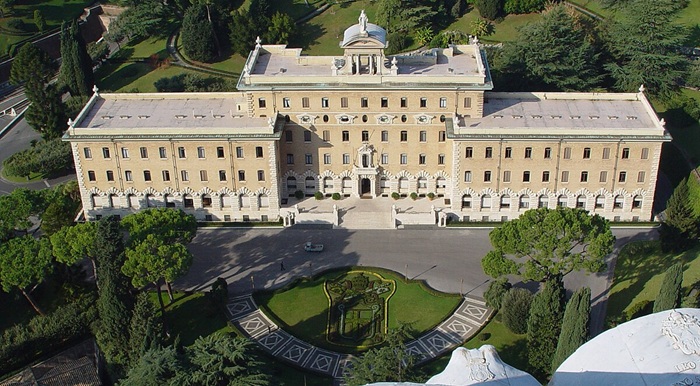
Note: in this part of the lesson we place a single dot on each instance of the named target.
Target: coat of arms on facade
(478, 368)
(684, 332)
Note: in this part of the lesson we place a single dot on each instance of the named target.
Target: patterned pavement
(471, 314)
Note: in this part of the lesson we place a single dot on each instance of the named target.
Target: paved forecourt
(467, 319)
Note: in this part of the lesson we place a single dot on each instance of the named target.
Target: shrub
(395, 196)
(336, 196)
(489, 9)
(494, 294)
(414, 196)
(670, 291)
(218, 295)
(318, 196)
(431, 196)
(299, 194)
(641, 308)
(515, 309)
(484, 336)
(16, 24)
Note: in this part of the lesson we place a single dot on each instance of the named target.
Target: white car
(308, 247)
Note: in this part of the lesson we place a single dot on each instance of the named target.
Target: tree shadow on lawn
(307, 35)
(124, 76)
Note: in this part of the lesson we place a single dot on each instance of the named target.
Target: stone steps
(365, 220)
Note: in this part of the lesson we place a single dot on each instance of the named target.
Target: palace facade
(367, 124)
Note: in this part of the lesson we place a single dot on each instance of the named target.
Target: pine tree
(669, 296)
(574, 327)
(114, 302)
(198, 35)
(544, 326)
(680, 230)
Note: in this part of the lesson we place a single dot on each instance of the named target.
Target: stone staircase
(354, 219)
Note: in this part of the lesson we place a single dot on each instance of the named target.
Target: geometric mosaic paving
(459, 327)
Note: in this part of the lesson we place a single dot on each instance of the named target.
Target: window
(206, 202)
(324, 103)
(241, 175)
(286, 103)
(562, 201)
(344, 102)
(441, 159)
(625, 153)
(622, 177)
(385, 158)
(486, 202)
(586, 153)
(144, 152)
(239, 152)
(128, 176)
(91, 175)
(187, 201)
(645, 153)
(404, 102)
(528, 152)
(467, 102)
(404, 135)
(468, 176)
(308, 159)
(423, 102)
(567, 153)
(487, 176)
(603, 176)
(641, 176)
(305, 102)
(290, 159)
(421, 159)
(547, 152)
(346, 136)
(288, 136)
(307, 136)
(110, 175)
(222, 175)
(543, 201)
(162, 153)
(184, 175)
(181, 152)
(545, 176)
(423, 136)
(200, 152)
(467, 201)
(441, 136)
(326, 159)
(636, 202)
(364, 102)
(203, 175)
(166, 175)
(147, 175)
(87, 152)
(365, 135)
(505, 201)
(125, 152)
(606, 153)
(526, 176)
(105, 152)
(506, 176)
(220, 152)
(261, 175)
(509, 152)
(404, 158)
(258, 152)
(385, 102)
(599, 202)
(326, 135)
(618, 203)
(443, 103)
(488, 152)
(346, 159)
(524, 202)
(469, 152)
(385, 136)
(261, 103)
(581, 201)
(565, 176)
(584, 176)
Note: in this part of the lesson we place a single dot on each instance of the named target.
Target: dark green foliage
(76, 65)
(574, 328)
(404, 16)
(24, 263)
(544, 326)
(539, 245)
(15, 210)
(680, 230)
(193, 83)
(641, 308)
(218, 296)
(515, 308)
(17, 24)
(489, 9)
(390, 363)
(115, 302)
(156, 367)
(98, 51)
(46, 157)
(141, 20)
(669, 296)
(681, 111)
(280, 29)
(259, 14)
(494, 294)
(198, 35)
(39, 20)
(299, 194)
(643, 41)
(242, 33)
(144, 329)
(46, 114)
(335, 196)
(21, 343)
(554, 53)
(173, 225)
(523, 6)
(60, 212)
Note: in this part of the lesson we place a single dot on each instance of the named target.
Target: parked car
(308, 247)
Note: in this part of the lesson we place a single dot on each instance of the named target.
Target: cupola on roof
(362, 31)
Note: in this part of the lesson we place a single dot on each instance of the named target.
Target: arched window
(543, 201)
(403, 185)
(581, 201)
(346, 184)
(440, 185)
(188, 201)
(148, 201)
(328, 185)
(485, 202)
(263, 201)
(524, 202)
(637, 202)
(206, 201)
(505, 201)
(562, 200)
(111, 200)
(168, 199)
(466, 201)
(226, 201)
(96, 201)
(244, 200)
(310, 186)
(384, 185)
(619, 202)
(599, 201)
(422, 185)
(291, 186)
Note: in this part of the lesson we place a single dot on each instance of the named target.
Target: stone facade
(368, 125)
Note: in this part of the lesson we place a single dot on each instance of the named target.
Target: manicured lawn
(32, 177)
(303, 309)
(296, 8)
(134, 77)
(506, 30)
(640, 270)
(595, 6)
(688, 137)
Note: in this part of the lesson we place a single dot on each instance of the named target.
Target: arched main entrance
(366, 187)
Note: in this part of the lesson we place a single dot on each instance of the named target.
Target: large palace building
(367, 124)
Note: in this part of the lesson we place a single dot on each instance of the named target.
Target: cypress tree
(114, 302)
(144, 331)
(680, 230)
(515, 307)
(670, 292)
(575, 325)
(544, 326)
(76, 66)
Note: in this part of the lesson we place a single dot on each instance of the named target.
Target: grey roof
(353, 33)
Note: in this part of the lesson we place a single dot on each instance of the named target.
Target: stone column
(357, 64)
